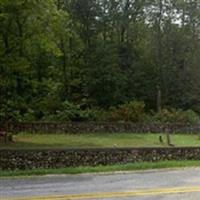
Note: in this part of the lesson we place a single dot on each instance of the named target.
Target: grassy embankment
(111, 168)
(25, 140)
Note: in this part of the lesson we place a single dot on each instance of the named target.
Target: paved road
(174, 184)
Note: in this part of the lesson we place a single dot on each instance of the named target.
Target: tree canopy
(97, 54)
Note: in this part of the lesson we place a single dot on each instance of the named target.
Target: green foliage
(105, 80)
(71, 112)
(132, 111)
(53, 52)
(176, 116)
(191, 117)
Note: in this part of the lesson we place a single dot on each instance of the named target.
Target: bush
(72, 112)
(132, 111)
(56, 110)
(191, 117)
(176, 116)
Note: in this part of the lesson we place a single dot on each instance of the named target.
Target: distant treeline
(91, 55)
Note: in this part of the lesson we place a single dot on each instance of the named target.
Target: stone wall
(103, 127)
(31, 159)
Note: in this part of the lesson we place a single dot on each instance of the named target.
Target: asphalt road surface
(176, 184)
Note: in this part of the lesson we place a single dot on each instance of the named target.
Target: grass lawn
(109, 168)
(25, 140)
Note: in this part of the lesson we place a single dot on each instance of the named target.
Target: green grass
(110, 168)
(25, 140)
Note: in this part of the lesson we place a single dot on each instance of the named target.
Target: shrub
(132, 111)
(176, 116)
(191, 117)
(72, 112)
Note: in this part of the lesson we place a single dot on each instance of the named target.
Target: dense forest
(70, 59)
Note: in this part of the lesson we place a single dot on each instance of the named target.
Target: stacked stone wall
(48, 158)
